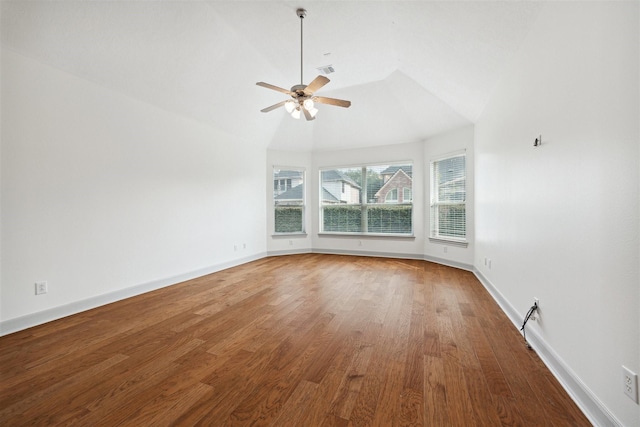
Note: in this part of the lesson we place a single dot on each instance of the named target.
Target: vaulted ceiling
(411, 69)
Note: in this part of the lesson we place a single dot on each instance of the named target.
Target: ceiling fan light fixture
(289, 105)
(308, 104)
(303, 96)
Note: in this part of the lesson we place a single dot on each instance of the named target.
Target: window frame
(404, 194)
(364, 206)
(303, 206)
(434, 203)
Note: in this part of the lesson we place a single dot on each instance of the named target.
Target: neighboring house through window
(284, 179)
(396, 181)
(366, 200)
(339, 187)
(288, 200)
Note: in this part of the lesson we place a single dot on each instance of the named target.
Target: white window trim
(304, 201)
(364, 234)
(462, 242)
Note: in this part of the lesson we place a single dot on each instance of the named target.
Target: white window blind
(448, 198)
(288, 200)
(367, 200)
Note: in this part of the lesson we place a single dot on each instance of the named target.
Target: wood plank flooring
(300, 340)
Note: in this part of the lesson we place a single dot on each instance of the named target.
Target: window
(407, 194)
(448, 198)
(282, 185)
(366, 200)
(288, 200)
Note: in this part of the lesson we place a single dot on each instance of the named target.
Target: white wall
(561, 221)
(290, 243)
(435, 148)
(1, 55)
(102, 193)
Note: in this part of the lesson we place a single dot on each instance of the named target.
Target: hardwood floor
(301, 340)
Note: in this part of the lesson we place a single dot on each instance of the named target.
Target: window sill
(451, 242)
(361, 235)
(293, 233)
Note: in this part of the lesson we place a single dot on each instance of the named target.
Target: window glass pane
(288, 200)
(451, 221)
(365, 199)
(342, 218)
(341, 186)
(448, 197)
(288, 219)
(451, 180)
(389, 219)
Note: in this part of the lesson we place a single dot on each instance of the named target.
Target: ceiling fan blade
(307, 114)
(316, 84)
(332, 101)
(273, 107)
(279, 89)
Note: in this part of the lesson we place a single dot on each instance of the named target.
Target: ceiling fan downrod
(303, 96)
(301, 14)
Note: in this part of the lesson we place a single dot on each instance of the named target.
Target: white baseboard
(590, 405)
(289, 252)
(27, 321)
(367, 253)
(449, 263)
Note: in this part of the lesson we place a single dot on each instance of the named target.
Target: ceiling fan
(303, 96)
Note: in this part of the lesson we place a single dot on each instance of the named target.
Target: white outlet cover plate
(630, 383)
(41, 288)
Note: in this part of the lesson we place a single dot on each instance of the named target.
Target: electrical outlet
(41, 288)
(445, 249)
(630, 383)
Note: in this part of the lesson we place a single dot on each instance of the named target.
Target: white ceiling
(411, 69)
